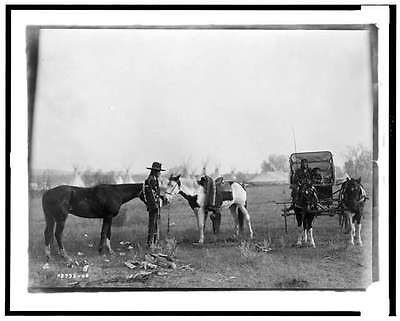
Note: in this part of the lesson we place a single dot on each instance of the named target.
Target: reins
(169, 207)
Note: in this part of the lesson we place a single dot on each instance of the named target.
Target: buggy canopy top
(321, 160)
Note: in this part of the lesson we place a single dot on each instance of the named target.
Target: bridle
(357, 186)
(307, 192)
(168, 213)
(170, 193)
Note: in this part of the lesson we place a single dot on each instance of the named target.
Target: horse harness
(343, 189)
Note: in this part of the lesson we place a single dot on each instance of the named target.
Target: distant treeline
(358, 164)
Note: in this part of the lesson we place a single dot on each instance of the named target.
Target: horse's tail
(49, 217)
(56, 200)
(45, 204)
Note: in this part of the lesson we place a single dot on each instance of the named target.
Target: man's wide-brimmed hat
(156, 166)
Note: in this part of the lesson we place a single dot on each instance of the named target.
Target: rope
(169, 206)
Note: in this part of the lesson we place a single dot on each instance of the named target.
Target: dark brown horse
(101, 201)
(306, 204)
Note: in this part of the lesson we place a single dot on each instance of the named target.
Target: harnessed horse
(352, 198)
(196, 199)
(305, 206)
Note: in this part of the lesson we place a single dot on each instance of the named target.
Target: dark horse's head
(353, 194)
(308, 198)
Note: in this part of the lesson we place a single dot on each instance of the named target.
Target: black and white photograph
(214, 156)
(195, 157)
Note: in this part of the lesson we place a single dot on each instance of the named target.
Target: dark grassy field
(220, 263)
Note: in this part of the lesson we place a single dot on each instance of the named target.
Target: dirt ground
(222, 262)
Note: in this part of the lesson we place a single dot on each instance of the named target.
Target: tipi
(128, 177)
(77, 179)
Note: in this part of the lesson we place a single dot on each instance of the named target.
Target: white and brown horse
(352, 198)
(195, 195)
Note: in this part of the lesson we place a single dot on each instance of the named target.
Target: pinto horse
(196, 199)
(352, 199)
(101, 201)
(304, 208)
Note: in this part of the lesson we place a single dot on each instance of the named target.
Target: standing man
(303, 174)
(152, 197)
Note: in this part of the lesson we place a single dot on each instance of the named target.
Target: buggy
(322, 178)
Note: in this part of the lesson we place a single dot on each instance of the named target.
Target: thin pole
(169, 205)
(294, 140)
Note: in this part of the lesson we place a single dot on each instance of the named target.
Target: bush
(359, 162)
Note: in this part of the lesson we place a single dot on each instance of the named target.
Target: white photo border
(372, 302)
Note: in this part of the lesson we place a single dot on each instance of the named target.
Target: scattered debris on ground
(262, 247)
(140, 276)
(153, 263)
(186, 267)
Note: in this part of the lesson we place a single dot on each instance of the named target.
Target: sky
(111, 99)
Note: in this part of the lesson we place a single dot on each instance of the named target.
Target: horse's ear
(177, 177)
(170, 177)
(347, 179)
(359, 180)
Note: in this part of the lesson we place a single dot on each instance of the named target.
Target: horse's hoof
(64, 255)
(47, 253)
(298, 244)
(47, 256)
(67, 258)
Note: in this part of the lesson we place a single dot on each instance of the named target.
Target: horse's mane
(191, 186)
(345, 191)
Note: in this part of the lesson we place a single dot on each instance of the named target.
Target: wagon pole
(169, 205)
(285, 216)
